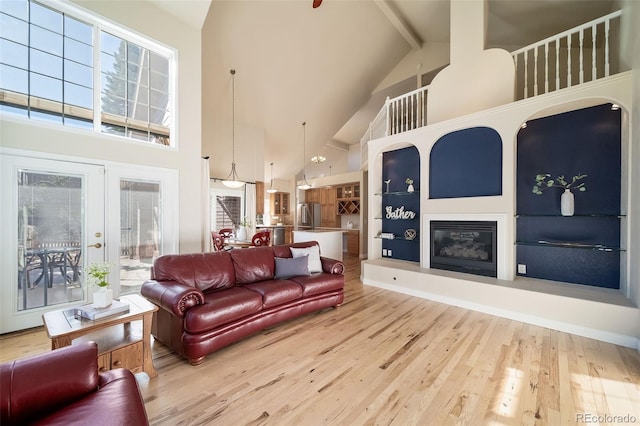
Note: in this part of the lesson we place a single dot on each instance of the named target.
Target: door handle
(96, 245)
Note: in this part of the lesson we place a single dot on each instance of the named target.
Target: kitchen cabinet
(328, 217)
(259, 197)
(312, 196)
(348, 199)
(279, 204)
(353, 242)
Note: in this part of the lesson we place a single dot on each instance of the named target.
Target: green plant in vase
(546, 180)
(97, 273)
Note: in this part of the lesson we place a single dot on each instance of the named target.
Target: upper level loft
(580, 55)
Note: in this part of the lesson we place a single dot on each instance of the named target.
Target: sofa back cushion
(204, 271)
(253, 264)
(284, 250)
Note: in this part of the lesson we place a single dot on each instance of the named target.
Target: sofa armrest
(33, 387)
(332, 266)
(172, 296)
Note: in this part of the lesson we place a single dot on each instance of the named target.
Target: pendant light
(305, 185)
(232, 180)
(271, 189)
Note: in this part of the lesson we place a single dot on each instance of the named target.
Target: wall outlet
(389, 252)
(384, 252)
(522, 269)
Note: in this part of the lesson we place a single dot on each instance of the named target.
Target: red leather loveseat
(64, 387)
(210, 300)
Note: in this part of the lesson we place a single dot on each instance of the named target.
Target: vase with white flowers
(546, 180)
(97, 273)
(409, 182)
(243, 229)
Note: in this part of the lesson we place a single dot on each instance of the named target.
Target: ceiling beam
(400, 24)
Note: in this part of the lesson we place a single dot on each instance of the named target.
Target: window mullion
(97, 80)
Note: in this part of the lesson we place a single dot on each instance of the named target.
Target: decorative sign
(410, 234)
(399, 213)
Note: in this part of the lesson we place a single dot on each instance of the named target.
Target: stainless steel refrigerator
(309, 215)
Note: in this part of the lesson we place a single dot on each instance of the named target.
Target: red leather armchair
(64, 387)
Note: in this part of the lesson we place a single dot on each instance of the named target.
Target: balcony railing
(576, 56)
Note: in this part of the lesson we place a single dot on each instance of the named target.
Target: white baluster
(387, 128)
(526, 78)
(569, 60)
(413, 122)
(581, 56)
(535, 72)
(606, 48)
(557, 64)
(594, 72)
(546, 68)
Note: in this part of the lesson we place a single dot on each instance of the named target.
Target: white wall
(631, 47)
(148, 20)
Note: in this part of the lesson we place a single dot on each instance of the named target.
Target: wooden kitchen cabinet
(348, 199)
(312, 196)
(279, 204)
(259, 197)
(353, 242)
(328, 219)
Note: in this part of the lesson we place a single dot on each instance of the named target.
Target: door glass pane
(50, 222)
(140, 233)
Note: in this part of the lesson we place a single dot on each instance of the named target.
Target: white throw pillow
(315, 265)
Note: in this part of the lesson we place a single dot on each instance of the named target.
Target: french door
(52, 225)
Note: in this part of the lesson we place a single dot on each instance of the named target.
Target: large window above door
(61, 64)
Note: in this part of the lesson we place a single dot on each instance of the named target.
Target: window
(227, 211)
(47, 61)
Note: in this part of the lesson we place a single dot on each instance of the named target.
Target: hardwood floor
(387, 358)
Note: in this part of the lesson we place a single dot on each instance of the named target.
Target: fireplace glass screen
(464, 246)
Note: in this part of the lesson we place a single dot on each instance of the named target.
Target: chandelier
(318, 159)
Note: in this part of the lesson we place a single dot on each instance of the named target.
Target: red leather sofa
(64, 387)
(210, 300)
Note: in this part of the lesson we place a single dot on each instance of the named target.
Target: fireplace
(464, 246)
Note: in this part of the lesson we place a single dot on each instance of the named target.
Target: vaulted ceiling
(333, 66)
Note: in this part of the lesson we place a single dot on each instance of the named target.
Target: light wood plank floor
(386, 358)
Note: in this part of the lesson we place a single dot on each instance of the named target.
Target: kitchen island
(330, 241)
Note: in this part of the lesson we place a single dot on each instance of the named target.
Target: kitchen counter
(330, 241)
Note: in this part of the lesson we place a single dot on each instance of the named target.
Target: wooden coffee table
(124, 340)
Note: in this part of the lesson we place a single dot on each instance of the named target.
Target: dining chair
(226, 233)
(261, 238)
(218, 241)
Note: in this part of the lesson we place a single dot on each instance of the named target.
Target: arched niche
(466, 163)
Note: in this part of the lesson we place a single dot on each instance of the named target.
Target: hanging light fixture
(318, 159)
(232, 180)
(271, 189)
(305, 185)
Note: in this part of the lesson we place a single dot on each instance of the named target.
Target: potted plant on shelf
(546, 180)
(98, 272)
(409, 182)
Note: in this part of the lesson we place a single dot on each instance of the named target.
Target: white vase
(566, 203)
(410, 188)
(102, 298)
(242, 233)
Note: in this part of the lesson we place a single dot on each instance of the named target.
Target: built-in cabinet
(586, 247)
(279, 204)
(348, 199)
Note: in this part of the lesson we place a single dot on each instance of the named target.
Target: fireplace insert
(464, 246)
